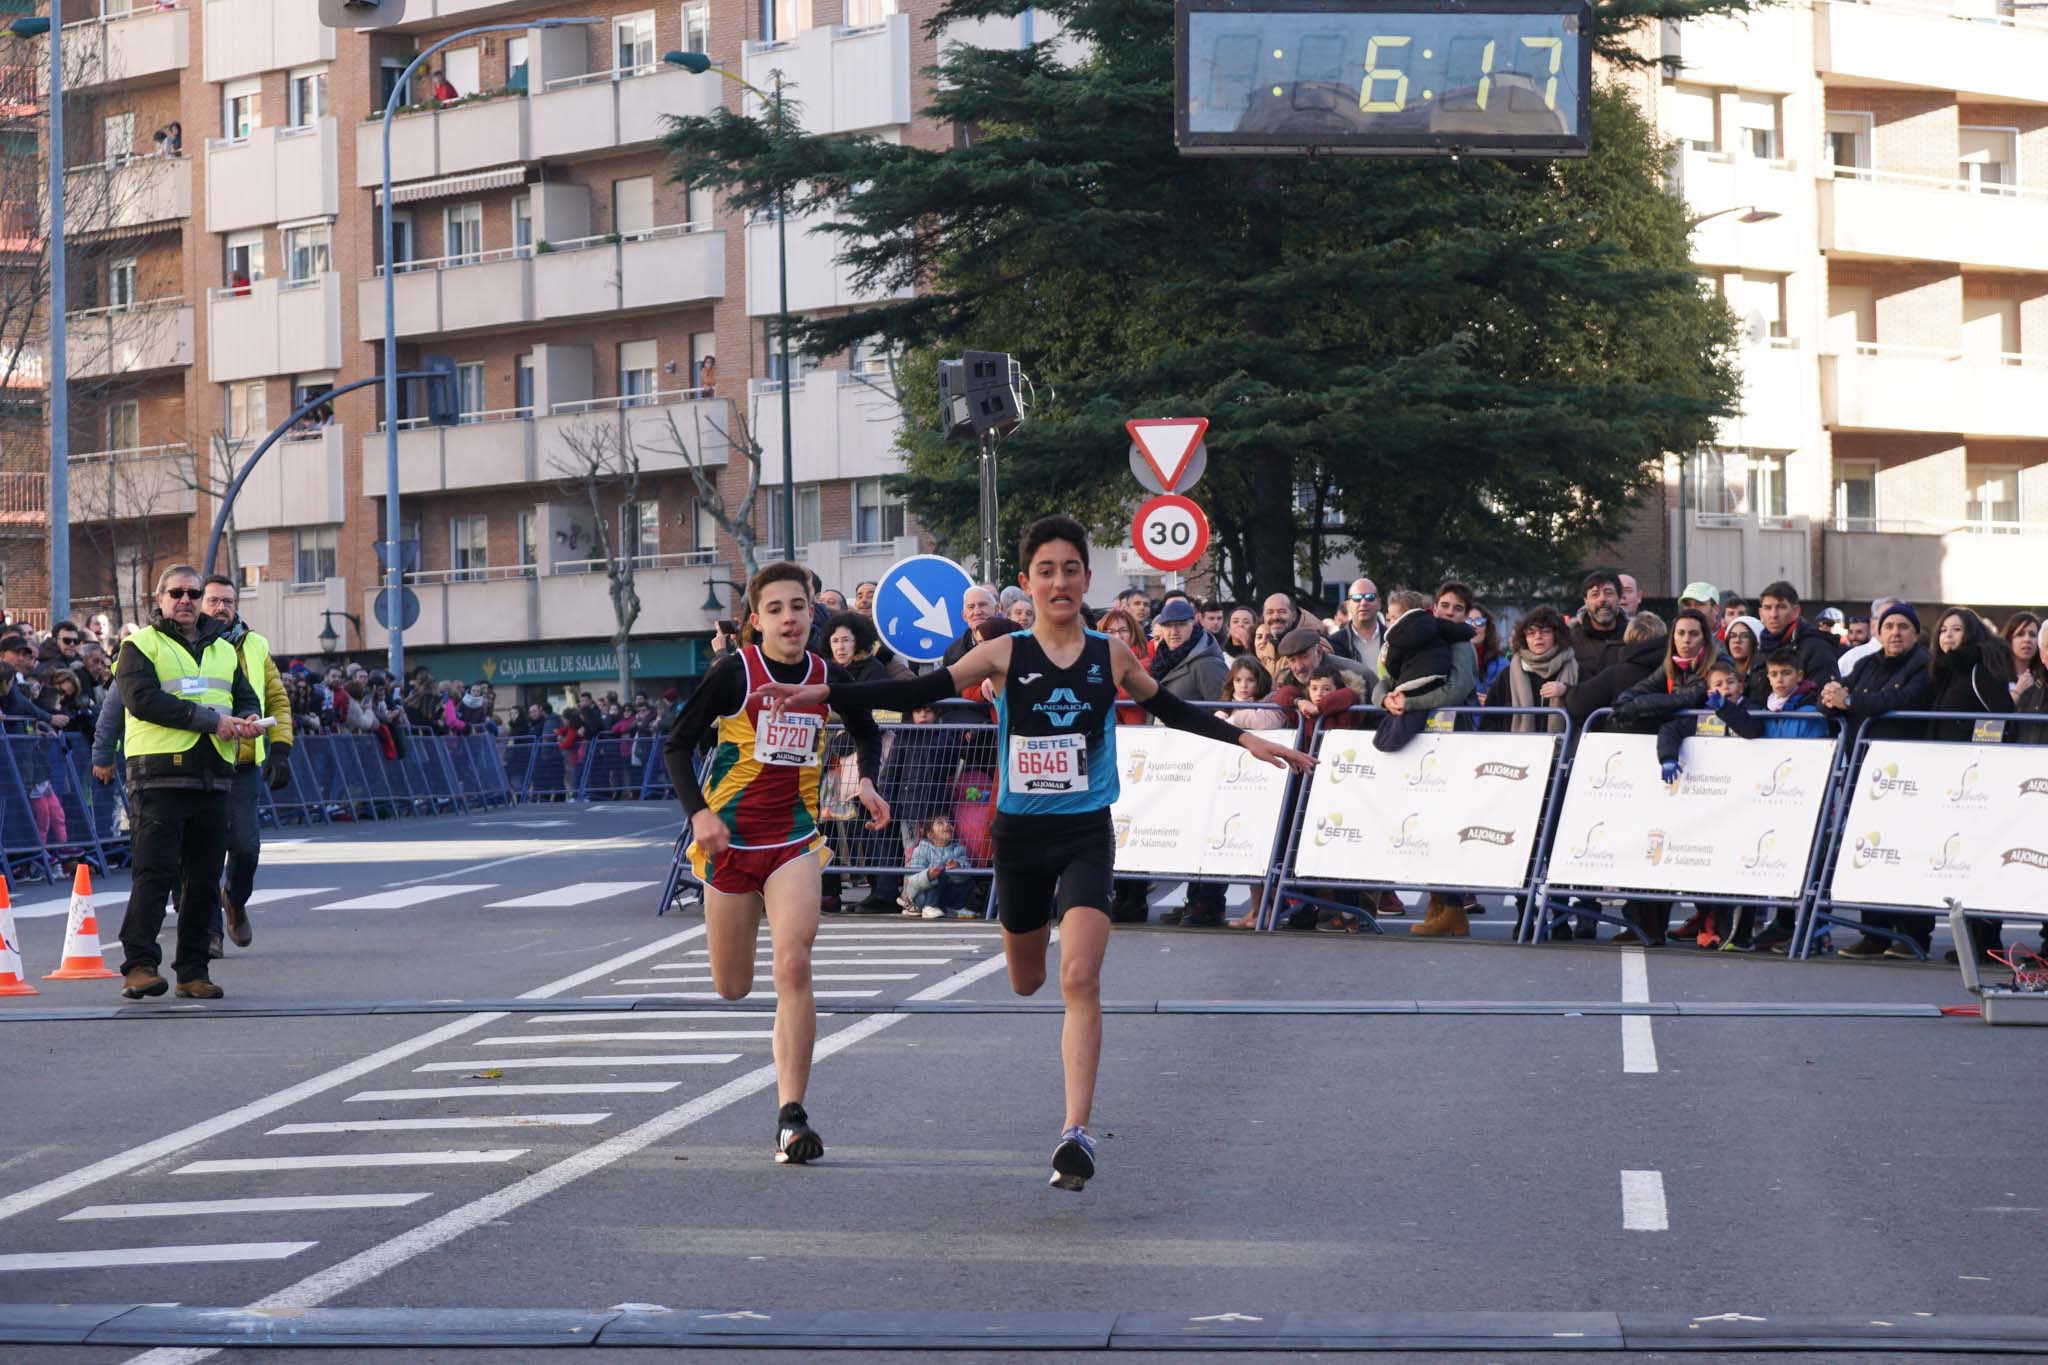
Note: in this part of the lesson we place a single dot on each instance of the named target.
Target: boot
(237, 918)
(1446, 919)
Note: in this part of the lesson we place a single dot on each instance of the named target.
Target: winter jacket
(1969, 680)
(924, 864)
(1199, 677)
(143, 696)
(1603, 688)
(1598, 650)
(1654, 697)
(1882, 684)
(1801, 719)
(1357, 681)
(1817, 650)
(1345, 642)
(1456, 690)
(106, 734)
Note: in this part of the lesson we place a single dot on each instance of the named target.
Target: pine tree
(1473, 365)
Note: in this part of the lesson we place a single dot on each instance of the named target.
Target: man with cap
(1190, 663)
(1896, 677)
(1701, 596)
(1831, 622)
(1870, 644)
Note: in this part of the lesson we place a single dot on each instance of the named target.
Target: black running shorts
(1048, 864)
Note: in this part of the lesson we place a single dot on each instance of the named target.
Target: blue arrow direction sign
(917, 606)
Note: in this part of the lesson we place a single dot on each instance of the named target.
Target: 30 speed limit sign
(1170, 533)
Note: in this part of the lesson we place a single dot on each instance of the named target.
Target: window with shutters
(637, 363)
(1988, 159)
(1695, 117)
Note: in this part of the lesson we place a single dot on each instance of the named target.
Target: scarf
(1680, 671)
(1524, 673)
(1165, 660)
(1766, 642)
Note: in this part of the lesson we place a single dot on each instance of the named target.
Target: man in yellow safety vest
(189, 705)
(266, 759)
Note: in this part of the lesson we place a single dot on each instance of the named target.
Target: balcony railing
(1871, 176)
(24, 497)
(1951, 354)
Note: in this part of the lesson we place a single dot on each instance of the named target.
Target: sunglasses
(67, 639)
(184, 594)
(1365, 597)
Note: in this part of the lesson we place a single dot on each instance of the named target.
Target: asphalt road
(1555, 1161)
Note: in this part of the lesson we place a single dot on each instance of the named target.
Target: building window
(313, 554)
(1855, 495)
(522, 384)
(248, 410)
(518, 53)
(1759, 117)
(463, 66)
(633, 206)
(469, 390)
(640, 532)
(529, 540)
(124, 426)
(697, 26)
(468, 546)
(241, 107)
(118, 130)
(1987, 158)
(782, 20)
(877, 513)
(636, 373)
(1993, 502)
(306, 100)
(1739, 483)
(121, 276)
(806, 519)
(522, 222)
(862, 13)
(307, 252)
(633, 44)
(462, 233)
(1695, 117)
(703, 529)
(388, 72)
(1849, 142)
(244, 263)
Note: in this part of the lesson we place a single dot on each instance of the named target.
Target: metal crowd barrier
(52, 812)
(1922, 820)
(1437, 781)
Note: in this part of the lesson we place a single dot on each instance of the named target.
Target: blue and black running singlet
(1057, 728)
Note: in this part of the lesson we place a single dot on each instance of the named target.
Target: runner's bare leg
(792, 900)
(1084, 938)
(1026, 955)
(731, 926)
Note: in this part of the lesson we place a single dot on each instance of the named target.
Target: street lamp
(1750, 214)
(59, 370)
(712, 606)
(697, 63)
(328, 639)
(394, 560)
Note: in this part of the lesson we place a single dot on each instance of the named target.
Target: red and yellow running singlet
(764, 776)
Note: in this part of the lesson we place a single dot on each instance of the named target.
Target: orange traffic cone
(11, 982)
(82, 959)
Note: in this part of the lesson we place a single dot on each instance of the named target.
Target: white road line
(404, 898)
(46, 909)
(271, 895)
(525, 1063)
(567, 897)
(1638, 1048)
(614, 1017)
(222, 1251)
(430, 1125)
(821, 962)
(1635, 977)
(338, 1163)
(815, 976)
(631, 839)
(298, 1203)
(714, 995)
(670, 1036)
(906, 939)
(1642, 1202)
(374, 1261)
(123, 1162)
(494, 1091)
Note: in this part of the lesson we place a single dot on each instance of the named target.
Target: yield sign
(1167, 443)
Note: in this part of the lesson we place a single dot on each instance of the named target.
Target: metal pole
(59, 366)
(782, 323)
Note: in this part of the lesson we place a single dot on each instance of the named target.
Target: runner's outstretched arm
(990, 659)
(1176, 714)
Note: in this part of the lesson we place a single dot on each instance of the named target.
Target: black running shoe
(795, 1143)
(1073, 1161)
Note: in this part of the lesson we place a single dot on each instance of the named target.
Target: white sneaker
(933, 912)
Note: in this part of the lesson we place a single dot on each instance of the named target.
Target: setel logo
(1871, 852)
(1063, 708)
(1331, 829)
(1345, 767)
(1885, 781)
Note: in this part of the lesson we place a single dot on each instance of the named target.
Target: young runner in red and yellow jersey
(756, 838)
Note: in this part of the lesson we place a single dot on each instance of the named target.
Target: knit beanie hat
(1904, 609)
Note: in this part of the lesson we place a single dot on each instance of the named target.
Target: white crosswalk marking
(614, 1017)
(429, 1125)
(442, 1092)
(587, 1063)
(714, 995)
(121, 1256)
(823, 962)
(302, 1203)
(272, 895)
(672, 1036)
(815, 976)
(567, 897)
(405, 897)
(232, 1165)
(44, 909)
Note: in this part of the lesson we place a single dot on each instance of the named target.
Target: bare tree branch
(734, 515)
(603, 465)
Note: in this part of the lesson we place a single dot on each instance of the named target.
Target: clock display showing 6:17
(1414, 79)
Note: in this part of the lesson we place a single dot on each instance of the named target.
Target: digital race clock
(1434, 78)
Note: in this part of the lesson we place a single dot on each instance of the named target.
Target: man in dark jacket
(1598, 628)
(1783, 625)
(187, 698)
(1641, 654)
(1896, 678)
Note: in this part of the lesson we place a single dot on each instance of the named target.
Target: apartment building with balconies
(237, 271)
(1869, 183)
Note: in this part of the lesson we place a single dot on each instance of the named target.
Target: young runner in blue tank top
(1056, 691)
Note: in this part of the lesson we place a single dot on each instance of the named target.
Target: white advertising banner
(1928, 821)
(1459, 809)
(1740, 822)
(1191, 807)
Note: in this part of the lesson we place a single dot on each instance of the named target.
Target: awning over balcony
(448, 186)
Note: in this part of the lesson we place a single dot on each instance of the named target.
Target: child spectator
(1416, 657)
(1248, 682)
(937, 888)
(1329, 698)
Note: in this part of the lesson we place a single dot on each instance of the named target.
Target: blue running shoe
(1073, 1161)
